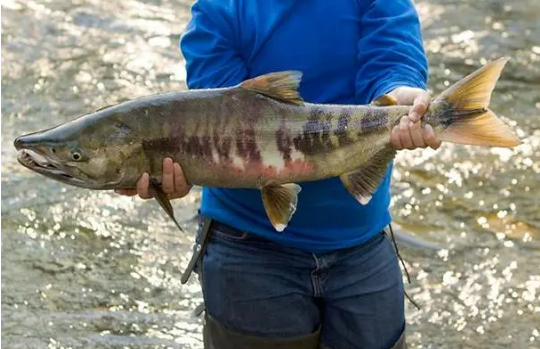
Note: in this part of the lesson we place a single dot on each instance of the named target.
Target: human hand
(174, 183)
(410, 134)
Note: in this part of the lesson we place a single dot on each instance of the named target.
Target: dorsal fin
(282, 86)
(385, 101)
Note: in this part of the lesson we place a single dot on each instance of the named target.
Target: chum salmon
(259, 134)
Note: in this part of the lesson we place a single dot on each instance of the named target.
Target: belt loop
(200, 247)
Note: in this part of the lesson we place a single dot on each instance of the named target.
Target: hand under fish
(408, 135)
(260, 134)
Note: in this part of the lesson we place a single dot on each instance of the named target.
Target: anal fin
(280, 203)
(164, 202)
(364, 181)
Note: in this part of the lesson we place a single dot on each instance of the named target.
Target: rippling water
(85, 269)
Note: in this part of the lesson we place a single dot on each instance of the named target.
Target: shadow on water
(86, 269)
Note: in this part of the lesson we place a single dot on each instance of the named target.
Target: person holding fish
(294, 113)
(326, 277)
(330, 279)
(285, 97)
(279, 270)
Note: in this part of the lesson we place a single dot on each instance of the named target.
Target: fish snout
(27, 141)
(36, 142)
(19, 142)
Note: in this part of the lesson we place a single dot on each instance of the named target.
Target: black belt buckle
(200, 247)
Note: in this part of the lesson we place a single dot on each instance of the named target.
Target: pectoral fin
(364, 181)
(164, 202)
(280, 203)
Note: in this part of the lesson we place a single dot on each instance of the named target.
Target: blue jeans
(257, 287)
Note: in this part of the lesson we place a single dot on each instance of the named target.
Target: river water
(88, 269)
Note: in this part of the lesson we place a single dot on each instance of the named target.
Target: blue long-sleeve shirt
(349, 52)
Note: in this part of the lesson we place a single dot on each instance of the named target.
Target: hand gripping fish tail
(461, 115)
(259, 134)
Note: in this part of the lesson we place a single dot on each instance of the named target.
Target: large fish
(259, 134)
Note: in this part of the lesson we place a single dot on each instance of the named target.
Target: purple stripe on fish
(246, 142)
(168, 144)
(326, 119)
(222, 144)
(373, 119)
(315, 137)
(342, 130)
(284, 141)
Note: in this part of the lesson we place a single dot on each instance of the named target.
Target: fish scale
(259, 134)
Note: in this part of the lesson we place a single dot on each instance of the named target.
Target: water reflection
(95, 270)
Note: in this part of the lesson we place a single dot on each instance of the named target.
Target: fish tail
(461, 112)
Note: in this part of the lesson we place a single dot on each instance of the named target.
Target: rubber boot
(400, 344)
(218, 337)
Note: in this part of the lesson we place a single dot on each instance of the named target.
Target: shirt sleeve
(209, 47)
(390, 50)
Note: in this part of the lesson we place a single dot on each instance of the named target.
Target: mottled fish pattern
(259, 134)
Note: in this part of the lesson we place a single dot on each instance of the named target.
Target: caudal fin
(466, 117)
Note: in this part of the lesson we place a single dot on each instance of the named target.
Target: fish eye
(76, 156)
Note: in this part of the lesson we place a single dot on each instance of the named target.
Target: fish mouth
(43, 165)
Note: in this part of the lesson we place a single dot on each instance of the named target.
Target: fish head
(94, 151)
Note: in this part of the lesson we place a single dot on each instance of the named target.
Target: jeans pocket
(223, 232)
(229, 233)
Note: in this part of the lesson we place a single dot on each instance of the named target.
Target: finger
(429, 136)
(416, 134)
(180, 184)
(127, 192)
(395, 139)
(168, 176)
(420, 106)
(405, 134)
(142, 186)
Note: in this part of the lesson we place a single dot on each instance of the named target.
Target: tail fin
(470, 121)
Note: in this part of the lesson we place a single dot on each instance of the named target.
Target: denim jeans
(257, 287)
